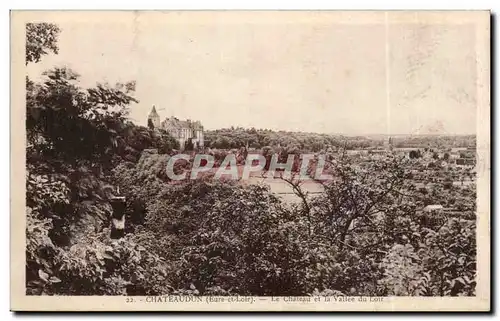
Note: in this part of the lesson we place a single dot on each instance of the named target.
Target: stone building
(154, 117)
(182, 130)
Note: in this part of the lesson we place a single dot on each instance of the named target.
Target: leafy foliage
(99, 266)
(40, 39)
(260, 138)
(228, 138)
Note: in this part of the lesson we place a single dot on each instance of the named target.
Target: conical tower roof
(153, 112)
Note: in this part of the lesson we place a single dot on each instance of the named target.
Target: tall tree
(41, 38)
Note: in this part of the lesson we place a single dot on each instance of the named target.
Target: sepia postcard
(250, 161)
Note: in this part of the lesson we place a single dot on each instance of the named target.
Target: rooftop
(153, 112)
(174, 122)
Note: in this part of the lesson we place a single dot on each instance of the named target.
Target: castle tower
(155, 118)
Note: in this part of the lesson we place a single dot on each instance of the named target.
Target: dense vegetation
(228, 138)
(258, 138)
(363, 236)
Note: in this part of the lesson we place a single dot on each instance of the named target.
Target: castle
(182, 130)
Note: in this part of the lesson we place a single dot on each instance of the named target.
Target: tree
(72, 124)
(229, 239)
(75, 136)
(74, 141)
(41, 38)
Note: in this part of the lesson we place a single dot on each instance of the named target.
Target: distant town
(435, 162)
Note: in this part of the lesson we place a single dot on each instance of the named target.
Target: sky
(324, 75)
